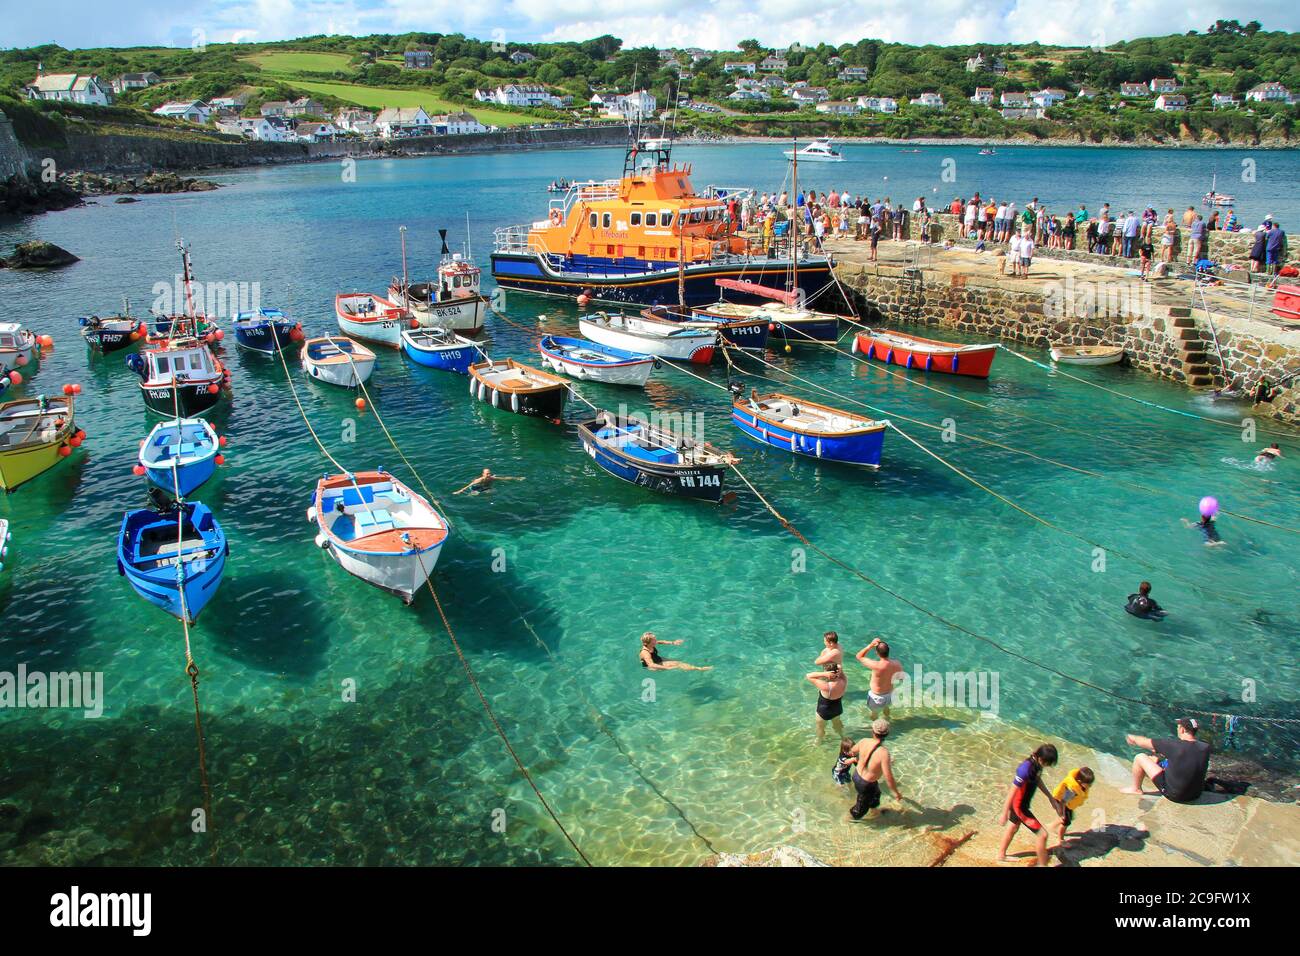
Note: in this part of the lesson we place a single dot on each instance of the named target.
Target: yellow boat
(33, 432)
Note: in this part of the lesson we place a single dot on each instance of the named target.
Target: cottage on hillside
(69, 87)
(194, 111)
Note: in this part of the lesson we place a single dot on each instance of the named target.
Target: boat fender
(929, 362)
(472, 382)
(514, 402)
(311, 513)
(819, 448)
(855, 347)
(889, 357)
(954, 362)
(496, 398)
(482, 391)
(911, 359)
(322, 541)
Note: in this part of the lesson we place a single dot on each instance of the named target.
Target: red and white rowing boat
(930, 355)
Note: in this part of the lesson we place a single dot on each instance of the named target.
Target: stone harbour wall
(1174, 342)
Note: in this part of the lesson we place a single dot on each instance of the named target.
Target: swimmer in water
(1268, 455)
(484, 481)
(1206, 524)
(650, 656)
(1143, 604)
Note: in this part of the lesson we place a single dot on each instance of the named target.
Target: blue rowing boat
(594, 362)
(265, 330)
(442, 348)
(180, 455)
(650, 456)
(807, 428)
(167, 554)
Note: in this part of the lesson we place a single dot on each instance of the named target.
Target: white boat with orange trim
(363, 315)
(337, 360)
(379, 530)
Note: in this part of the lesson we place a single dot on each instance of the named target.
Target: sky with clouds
(713, 24)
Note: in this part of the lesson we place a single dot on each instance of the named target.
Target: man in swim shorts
(1016, 811)
(884, 670)
(873, 761)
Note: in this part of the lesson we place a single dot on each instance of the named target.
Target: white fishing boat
(1087, 354)
(818, 151)
(655, 337)
(362, 315)
(452, 301)
(379, 530)
(337, 360)
(18, 346)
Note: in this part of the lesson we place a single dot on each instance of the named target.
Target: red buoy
(76, 389)
(221, 459)
(214, 388)
(67, 389)
(138, 471)
(47, 341)
(361, 404)
(15, 377)
(222, 441)
(64, 451)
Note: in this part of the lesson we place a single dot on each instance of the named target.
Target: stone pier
(1215, 338)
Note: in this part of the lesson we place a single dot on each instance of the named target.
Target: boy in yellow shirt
(1069, 795)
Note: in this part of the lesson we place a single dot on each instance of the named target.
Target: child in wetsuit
(843, 768)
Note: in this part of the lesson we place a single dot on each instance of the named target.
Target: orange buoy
(76, 389)
(15, 377)
(219, 334)
(214, 388)
(221, 459)
(64, 451)
(47, 341)
(75, 441)
(67, 389)
(361, 404)
(584, 299)
(138, 471)
(222, 441)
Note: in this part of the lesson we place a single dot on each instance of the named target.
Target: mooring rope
(789, 526)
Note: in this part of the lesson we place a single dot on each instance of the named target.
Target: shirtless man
(651, 660)
(883, 671)
(833, 654)
(484, 481)
(873, 762)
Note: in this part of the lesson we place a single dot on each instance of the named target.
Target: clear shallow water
(412, 772)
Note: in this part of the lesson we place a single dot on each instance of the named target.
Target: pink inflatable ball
(1209, 506)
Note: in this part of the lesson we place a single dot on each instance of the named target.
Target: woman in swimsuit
(831, 685)
(650, 656)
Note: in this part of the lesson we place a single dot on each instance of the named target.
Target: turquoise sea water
(411, 772)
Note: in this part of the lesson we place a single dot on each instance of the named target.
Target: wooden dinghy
(338, 360)
(518, 388)
(1087, 354)
(930, 355)
(35, 433)
(809, 428)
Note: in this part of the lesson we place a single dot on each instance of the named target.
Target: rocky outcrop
(20, 196)
(38, 255)
(101, 184)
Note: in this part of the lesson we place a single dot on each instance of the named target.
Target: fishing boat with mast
(646, 238)
(1214, 197)
(453, 300)
(113, 333)
(265, 330)
(791, 322)
(743, 333)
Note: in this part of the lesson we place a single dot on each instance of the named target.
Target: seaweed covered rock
(38, 255)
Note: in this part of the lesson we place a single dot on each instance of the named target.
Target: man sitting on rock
(1179, 764)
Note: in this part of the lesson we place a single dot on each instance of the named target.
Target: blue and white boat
(173, 559)
(808, 428)
(265, 330)
(442, 348)
(180, 455)
(593, 362)
(750, 334)
(650, 456)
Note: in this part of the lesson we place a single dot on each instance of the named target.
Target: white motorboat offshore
(818, 151)
(654, 337)
(378, 529)
(337, 360)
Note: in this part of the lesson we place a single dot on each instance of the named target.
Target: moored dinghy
(930, 355)
(370, 317)
(647, 455)
(441, 348)
(34, 434)
(337, 360)
(650, 336)
(180, 455)
(265, 330)
(808, 428)
(379, 530)
(1087, 354)
(741, 332)
(593, 362)
(18, 346)
(519, 388)
(173, 558)
(113, 333)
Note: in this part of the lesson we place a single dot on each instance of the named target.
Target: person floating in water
(484, 481)
(1143, 604)
(1016, 811)
(1268, 455)
(1206, 524)
(831, 685)
(650, 655)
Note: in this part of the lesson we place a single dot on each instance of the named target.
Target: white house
(1223, 101)
(1017, 101)
(806, 95)
(315, 132)
(930, 100)
(839, 108)
(749, 96)
(275, 108)
(528, 95)
(1164, 85)
(638, 105)
(521, 56)
(1087, 93)
(227, 102)
(1133, 89)
(1171, 102)
(456, 124)
(772, 82)
(774, 63)
(980, 64)
(1022, 112)
(195, 111)
(983, 95)
(396, 123)
(734, 67)
(746, 83)
(135, 81)
(854, 74)
(349, 119)
(1269, 93)
(878, 104)
(1048, 98)
(264, 130)
(72, 87)
(304, 106)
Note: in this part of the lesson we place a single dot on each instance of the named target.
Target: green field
(294, 61)
(378, 97)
